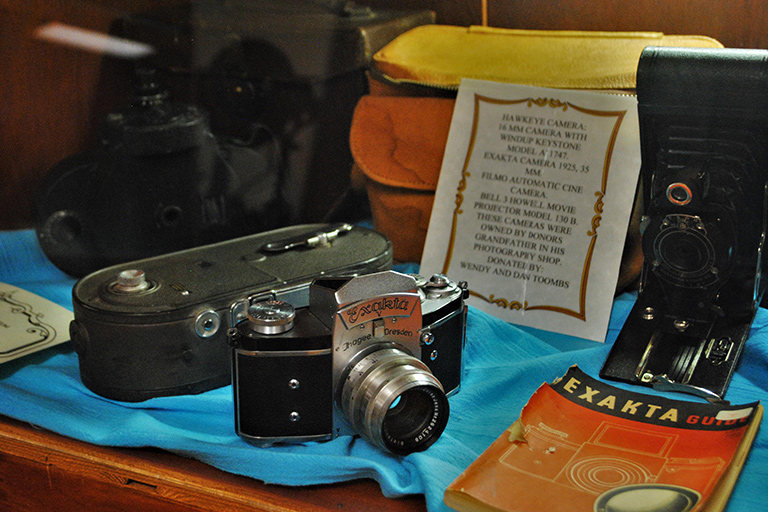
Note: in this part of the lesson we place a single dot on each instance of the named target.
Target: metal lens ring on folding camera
(679, 193)
(683, 253)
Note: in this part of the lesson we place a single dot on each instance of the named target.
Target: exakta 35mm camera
(704, 140)
(375, 355)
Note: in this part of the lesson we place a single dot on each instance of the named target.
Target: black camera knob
(271, 316)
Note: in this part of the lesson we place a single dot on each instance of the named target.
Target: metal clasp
(321, 237)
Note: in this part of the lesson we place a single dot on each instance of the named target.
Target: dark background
(51, 97)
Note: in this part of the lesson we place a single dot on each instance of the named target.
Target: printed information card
(29, 323)
(533, 203)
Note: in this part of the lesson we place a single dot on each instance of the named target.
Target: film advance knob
(271, 316)
(131, 281)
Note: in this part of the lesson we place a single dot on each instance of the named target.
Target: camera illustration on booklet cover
(375, 355)
(704, 140)
(615, 460)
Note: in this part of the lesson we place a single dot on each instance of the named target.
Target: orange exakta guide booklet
(583, 445)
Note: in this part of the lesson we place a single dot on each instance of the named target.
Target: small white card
(533, 203)
(29, 323)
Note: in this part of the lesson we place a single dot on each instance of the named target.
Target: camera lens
(685, 253)
(393, 399)
(412, 415)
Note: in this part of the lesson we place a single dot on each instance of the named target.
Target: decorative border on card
(580, 311)
(40, 333)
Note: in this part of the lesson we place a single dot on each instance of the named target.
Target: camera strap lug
(238, 311)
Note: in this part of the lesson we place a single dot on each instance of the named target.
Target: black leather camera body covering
(704, 140)
(158, 326)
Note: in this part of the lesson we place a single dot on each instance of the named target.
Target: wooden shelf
(41, 470)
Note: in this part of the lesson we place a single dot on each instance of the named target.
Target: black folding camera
(704, 140)
(375, 355)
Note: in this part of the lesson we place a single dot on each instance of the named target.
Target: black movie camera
(297, 67)
(158, 326)
(704, 140)
(375, 355)
(158, 182)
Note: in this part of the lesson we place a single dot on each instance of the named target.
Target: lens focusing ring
(390, 376)
(687, 253)
(683, 252)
